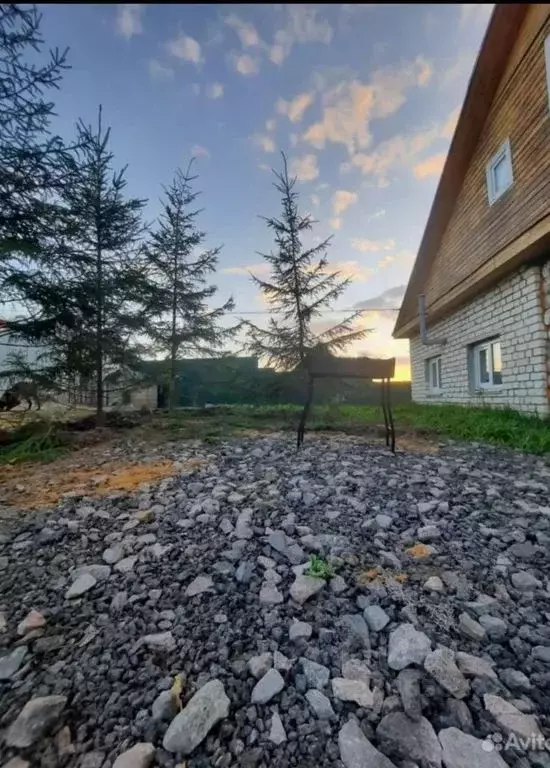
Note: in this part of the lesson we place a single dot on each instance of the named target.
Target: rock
(36, 719)
(515, 679)
(164, 707)
(92, 760)
(428, 533)
(244, 572)
(474, 666)
(524, 581)
(460, 750)
(353, 690)
(434, 584)
(541, 653)
(81, 585)
(270, 595)
(407, 646)
(118, 602)
(293, 552)
(3, 623)
(199, 585)
(317, 676)
(99, 572)
(33, 620)
(191, 726)
(470, 627)
(509, 718)
(320, 704)
(139, 756)
(357, 627)
(441, 666)
(356, 751)
(277, 734)
(482, 604)
(495, 628)
(16, 762)
(162, 641)
(126, 565)
(383, 521)
(305, 587)
(281, 662)
(10, 663)
(113, 554)
(269, 686)
(408, 685)
(300, 629)
(407, 739)
(259, 665)
(338, 585)
(376, 618)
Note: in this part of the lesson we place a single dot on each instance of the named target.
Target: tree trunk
(100, 415)
(173, 345)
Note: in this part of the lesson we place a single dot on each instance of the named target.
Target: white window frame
(434, 361)
(547, 57)
(504, 153)
(487, 347)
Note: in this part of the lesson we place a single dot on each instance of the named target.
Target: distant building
(483, 266)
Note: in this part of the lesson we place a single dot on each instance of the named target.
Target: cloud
(199, 151)
(391, 298)
(363, 245)
(341, 200)
(377, 214)
(349, 107)
(247, 32)
(128, 20)
(264, 167)
(473, 14)
(351, 270)
(214, 90)
(403, 151)
(257, 269)
(264, 142)
(270, 125)
(335, 223)
(431, 166)
(302, 25)
(245, 64)
(186, 48)
(304, 168)
(457, 71)
(295, 108)
(315, 200)
(158, 71)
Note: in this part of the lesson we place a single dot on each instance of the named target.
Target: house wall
(477, 231)
(517, 310)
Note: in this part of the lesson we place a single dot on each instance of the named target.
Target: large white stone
(191, 726)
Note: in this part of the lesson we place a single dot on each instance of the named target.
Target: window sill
(488, 390)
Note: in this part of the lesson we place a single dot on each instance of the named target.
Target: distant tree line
(82, 274)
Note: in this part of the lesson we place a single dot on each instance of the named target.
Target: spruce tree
(298, 290)
(183, 322)
(31, 176)
(105, 275)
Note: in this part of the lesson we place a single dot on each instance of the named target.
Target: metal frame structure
(351, 368)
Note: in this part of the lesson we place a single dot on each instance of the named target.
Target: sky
(363, 99)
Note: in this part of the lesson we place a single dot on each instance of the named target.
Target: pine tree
(104, 275)
(298, 290)
(31, 176)
(184, 323)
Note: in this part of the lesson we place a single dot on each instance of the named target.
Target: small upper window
(487, 364)
(433, 374)
(499, 172)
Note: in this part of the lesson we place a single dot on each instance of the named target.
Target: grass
(319, 568)
(484, 425)
(44, 440)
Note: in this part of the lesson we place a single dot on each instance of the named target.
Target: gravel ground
(174, 626)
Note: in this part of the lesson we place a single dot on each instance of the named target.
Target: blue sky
(362, 98)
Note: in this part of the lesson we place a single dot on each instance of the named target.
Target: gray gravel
(407, 658)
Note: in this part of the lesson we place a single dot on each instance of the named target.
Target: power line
(326, 311)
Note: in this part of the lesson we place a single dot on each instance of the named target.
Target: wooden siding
(520, 112)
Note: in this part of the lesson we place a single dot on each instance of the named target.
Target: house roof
(495, 50)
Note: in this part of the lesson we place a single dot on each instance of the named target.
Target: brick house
(477, 306)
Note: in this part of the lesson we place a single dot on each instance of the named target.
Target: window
(433, 374)
(487, 364)
(499, 173)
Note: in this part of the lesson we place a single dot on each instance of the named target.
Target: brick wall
(513, 310)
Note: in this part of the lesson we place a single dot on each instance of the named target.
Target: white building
(483, 265)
